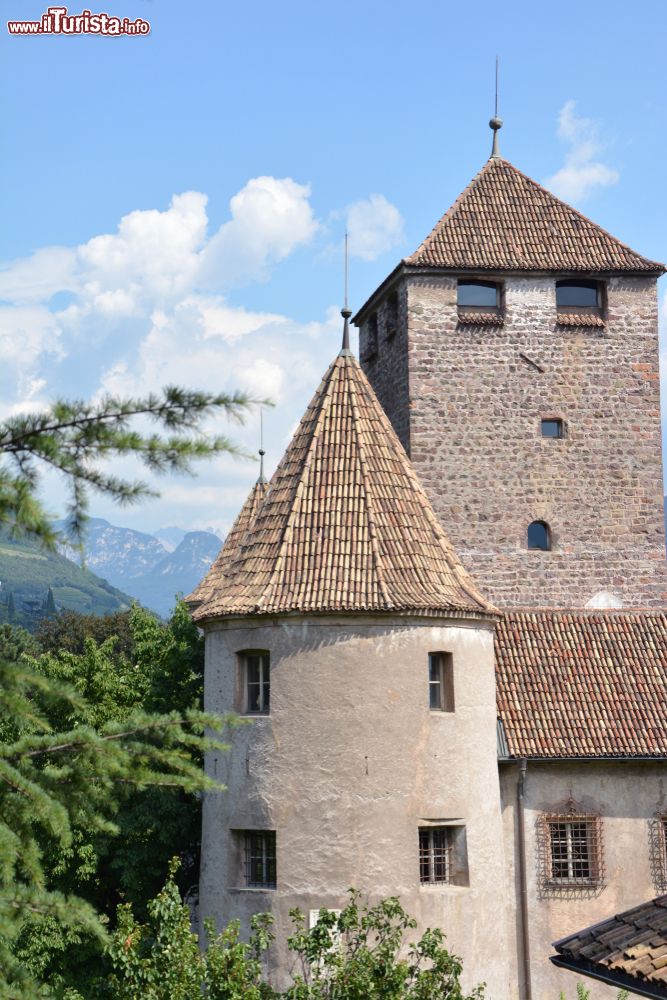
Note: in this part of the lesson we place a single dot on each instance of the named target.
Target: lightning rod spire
(496, 123)
(346, 311)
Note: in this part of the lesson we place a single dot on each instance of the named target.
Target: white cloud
(270, 219)
(582, 172)
(374, 226)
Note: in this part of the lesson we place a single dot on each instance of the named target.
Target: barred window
(259, 859)
(435, 854)
(658, 850)
(570, 847)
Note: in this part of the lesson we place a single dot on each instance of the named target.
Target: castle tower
(516, 355)
(344, 628)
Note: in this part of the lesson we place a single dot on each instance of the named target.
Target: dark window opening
(578, 296)
(441, 682)
(478, 295)
(256, 681)
(259, 859)
(552, 427)
(392, 315)
(372, 336)
(539, 536)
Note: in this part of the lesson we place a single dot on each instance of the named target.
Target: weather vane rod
(262, 453)
(496, 123)
(345, 311)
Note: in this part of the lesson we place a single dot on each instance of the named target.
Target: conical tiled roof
(345, 525)
(506, 221)
(232, 546)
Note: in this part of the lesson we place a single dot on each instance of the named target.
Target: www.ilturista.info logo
(56, 21)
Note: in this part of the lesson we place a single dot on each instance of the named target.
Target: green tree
(57, 782)
(16, 642)
(350, 956)
(157, 668)
(78, 439)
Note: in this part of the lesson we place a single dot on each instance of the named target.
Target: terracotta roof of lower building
(346, 525)
(629, 950)
(582, 683)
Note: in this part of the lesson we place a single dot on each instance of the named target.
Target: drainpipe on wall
(525, 939)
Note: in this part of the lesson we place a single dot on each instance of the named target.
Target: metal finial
(346, 312)
(496, 123)
(262, 453)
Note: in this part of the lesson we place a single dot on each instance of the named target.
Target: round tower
(341, 625)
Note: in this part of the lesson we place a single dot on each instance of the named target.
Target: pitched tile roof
(583, 683)
(506, 221)
(629, 949)
(232, 545)
(345, 525)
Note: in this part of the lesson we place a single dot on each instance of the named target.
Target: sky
(174, 203)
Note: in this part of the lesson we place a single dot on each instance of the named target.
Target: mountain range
(153, 568)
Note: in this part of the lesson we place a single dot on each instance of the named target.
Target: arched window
(576, 295)
(539, 536)
(477, 294)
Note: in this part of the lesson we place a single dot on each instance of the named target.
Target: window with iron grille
(570, 846)
(435, 854)
(658, 851)
(256, 681)
(259, 859)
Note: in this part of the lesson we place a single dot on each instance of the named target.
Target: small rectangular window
(479, 302)
(658, 851)
(443, 856)
(259, 858)
(256, 680)
(552, 427)
(441, 682)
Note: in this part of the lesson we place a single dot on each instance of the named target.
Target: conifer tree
(11, 607)
(50, 604)
(79, 439)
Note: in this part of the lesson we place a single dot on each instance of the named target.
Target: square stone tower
(516, 354)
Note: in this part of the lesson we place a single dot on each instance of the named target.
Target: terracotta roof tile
(232, 545)
(480, 318)
(629, 948)
(345, 525)
(579, 319)
(506, 221)
(583, 683)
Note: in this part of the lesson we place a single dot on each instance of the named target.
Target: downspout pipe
(523, 883)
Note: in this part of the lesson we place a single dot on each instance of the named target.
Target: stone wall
(467, 402)
(347, 767)
(627, 797)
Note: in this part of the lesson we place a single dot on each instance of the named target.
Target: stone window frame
(443, 853)
(264, 682)
(657, 839)
(441, 682)
(571, 815)
(256, 858)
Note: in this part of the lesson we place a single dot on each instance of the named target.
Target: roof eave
(406, 267)
(615, 978)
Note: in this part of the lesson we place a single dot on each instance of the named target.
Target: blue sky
(174, 204)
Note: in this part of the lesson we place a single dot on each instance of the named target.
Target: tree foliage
(91, 748)
(358, 954)
(78, 440)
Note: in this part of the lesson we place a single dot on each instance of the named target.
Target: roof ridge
(367, 497)
(326, 387)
